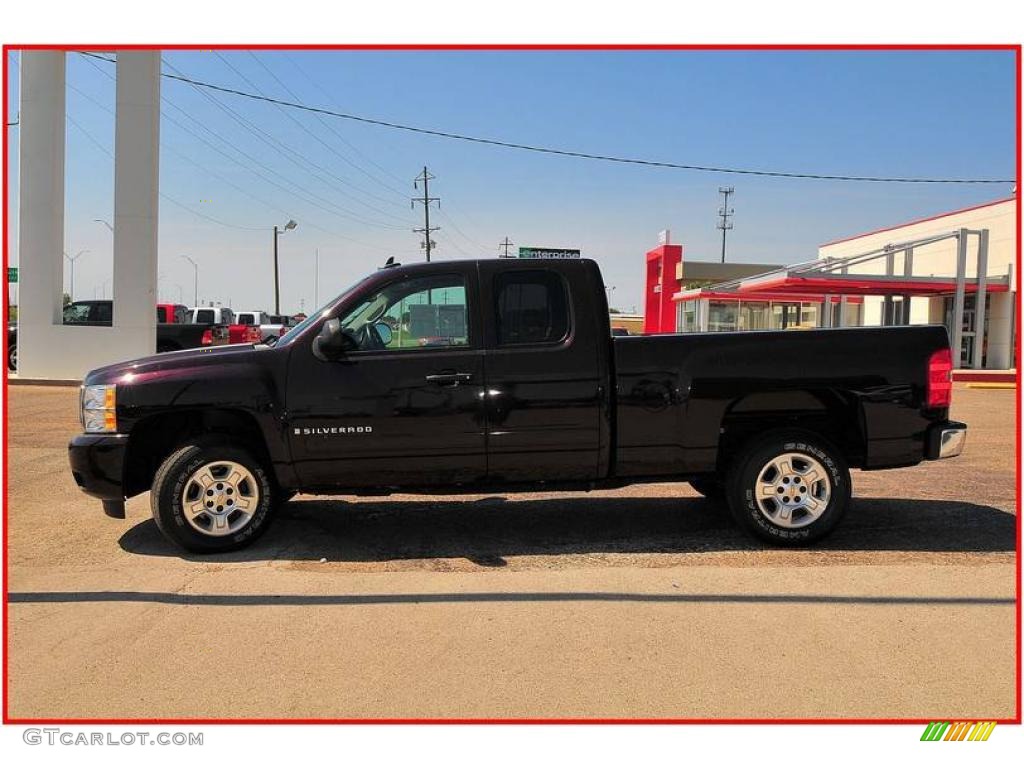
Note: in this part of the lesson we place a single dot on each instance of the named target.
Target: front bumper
(945, 440)
(97, 464)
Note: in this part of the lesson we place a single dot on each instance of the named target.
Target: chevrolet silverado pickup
(503, 375)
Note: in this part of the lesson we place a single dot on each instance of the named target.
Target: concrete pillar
(1000, 330)
(41, 206)
(136, 198)
(46, 348)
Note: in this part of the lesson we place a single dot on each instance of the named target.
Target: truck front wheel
(211, 497)
(789, 487)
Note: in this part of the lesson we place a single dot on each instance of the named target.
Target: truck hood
(156, 366)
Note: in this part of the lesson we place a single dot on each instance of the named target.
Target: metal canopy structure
(852, 277)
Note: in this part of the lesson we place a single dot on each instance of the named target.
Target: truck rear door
(543, 370)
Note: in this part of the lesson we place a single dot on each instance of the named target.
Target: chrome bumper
(951, 442)
(944, 440)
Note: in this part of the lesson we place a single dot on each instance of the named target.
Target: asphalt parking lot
(642, 602)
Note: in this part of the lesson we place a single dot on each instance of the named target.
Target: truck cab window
(420, 313)
(532, 308)
(205, 316)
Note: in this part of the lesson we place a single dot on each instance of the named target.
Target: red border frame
(7, 720)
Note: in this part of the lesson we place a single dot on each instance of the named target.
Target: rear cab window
(532, 307)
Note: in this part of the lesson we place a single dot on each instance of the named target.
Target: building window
(722, 315)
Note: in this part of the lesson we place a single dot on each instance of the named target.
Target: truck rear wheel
(789, 487)
(211, 497)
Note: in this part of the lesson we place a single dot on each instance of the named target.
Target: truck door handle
(449, 379)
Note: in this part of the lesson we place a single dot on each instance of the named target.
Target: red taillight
(940, 379)
(207, 337)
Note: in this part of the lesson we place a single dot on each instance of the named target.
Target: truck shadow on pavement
(486, 531)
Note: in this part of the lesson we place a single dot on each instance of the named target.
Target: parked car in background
(503, 375)
(271, 326)
(211, 315)
(171, 313)
(12, 347)
(172, 334)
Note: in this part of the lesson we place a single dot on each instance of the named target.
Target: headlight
(99, 408)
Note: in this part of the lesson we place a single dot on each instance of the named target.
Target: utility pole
(726, 213)
(505, 245)
(425, 201)
(316, 280)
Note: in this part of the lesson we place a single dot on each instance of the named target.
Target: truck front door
(405, 407)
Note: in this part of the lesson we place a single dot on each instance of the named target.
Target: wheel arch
(834, 415)
(156, 437)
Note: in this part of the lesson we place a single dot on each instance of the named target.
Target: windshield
(297, 330)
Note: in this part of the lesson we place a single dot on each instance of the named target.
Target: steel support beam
(980, 300)
(908, 272)
(956, 332)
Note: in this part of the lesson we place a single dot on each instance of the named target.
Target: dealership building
(953, 269)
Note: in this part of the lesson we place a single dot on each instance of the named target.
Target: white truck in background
(271, 326)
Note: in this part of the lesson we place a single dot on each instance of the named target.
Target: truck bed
(678, 395)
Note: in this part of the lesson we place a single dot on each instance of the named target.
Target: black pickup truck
(503, 375)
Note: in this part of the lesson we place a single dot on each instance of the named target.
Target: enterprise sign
(549, 253)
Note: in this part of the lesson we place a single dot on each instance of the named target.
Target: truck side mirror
(333, 341)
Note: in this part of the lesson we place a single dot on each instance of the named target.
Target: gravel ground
(639, 602)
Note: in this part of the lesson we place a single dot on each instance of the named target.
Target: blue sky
(936, 114)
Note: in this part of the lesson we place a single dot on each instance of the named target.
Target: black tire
(746, 471)
(12, 357)
(169, 485)
(711, 488)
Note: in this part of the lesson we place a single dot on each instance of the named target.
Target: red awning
(866, 285)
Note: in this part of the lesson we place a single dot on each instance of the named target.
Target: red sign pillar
(659, 285)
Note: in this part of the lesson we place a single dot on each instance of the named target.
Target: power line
(335, 132)
(275, 178)
(164, 195)
(571, 153)
(290, 155)
(306, 130)
(455, 228)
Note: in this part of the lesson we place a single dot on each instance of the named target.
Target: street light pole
(195, 268)
(277, 280)
(316, 281)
